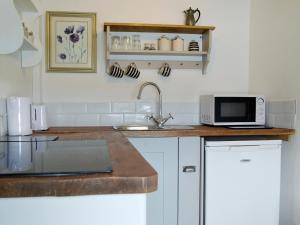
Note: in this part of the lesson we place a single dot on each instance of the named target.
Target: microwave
(228, 110)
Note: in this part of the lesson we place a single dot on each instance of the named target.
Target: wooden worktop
(131, 172)
(209, 131)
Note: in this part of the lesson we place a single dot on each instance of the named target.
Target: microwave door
(235, 109)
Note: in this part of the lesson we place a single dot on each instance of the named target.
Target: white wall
(14, 81)
(275, 71)
(229, 61)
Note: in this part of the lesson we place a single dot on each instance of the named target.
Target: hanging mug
(116, 70)
(165, 70)
(132, 71)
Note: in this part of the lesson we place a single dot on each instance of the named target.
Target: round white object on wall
(12, 34)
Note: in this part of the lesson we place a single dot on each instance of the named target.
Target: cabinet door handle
(189, 169)
(245, 160)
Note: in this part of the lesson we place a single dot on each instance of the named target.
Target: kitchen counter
(209, 131)
(131, 172)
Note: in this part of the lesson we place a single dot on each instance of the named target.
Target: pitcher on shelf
(190, 19)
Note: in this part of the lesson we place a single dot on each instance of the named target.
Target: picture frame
(71, 42)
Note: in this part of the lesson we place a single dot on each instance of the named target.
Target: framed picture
(71, 42)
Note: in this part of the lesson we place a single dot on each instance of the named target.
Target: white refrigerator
(242, 182)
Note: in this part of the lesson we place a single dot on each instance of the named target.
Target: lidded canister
(178, 44)
(164, 43)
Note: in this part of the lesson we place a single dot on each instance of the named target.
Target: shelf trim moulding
(156, 28)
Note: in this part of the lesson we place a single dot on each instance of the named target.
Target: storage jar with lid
(164, 43)
(178, 44)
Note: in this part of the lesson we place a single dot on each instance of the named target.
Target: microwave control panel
(260, 110)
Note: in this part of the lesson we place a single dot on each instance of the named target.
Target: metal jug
(190, 19)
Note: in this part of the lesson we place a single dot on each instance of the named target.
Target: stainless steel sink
(151, 127)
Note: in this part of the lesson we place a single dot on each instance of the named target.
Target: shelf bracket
(206, 46)
(107, 48)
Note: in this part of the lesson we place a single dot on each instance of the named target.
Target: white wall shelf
(155, 59)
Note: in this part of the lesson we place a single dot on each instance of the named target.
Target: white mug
(39, 117)
(18, 115)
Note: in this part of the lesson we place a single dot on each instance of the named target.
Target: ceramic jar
(164, 43)
(178, 44)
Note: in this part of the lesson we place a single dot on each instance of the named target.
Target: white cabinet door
(242, 185)
(162, 154)
(189, 181)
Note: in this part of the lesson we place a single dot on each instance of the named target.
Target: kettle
(190, 19)
(18, 115)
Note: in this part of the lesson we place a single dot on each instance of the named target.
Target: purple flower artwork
(71, 42)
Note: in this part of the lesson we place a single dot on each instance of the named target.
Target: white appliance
(19, 115)
(39, 117)
(232, 110)
(242, 182)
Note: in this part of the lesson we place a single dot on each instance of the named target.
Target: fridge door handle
(244, 148)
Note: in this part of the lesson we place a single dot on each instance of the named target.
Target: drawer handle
(245, 160)
(189, 169)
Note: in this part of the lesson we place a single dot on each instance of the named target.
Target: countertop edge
(57, 188)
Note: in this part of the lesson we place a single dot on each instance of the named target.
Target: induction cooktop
(51, 157)
(28, 138)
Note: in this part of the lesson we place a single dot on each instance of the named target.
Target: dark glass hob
(47, 157)
(28, 138)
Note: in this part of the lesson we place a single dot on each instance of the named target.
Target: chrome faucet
(160, 120)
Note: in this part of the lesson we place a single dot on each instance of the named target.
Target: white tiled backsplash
(281, 113)
(119, 113)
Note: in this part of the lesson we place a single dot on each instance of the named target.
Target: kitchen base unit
(125, 209)
(242, 182)
(162, 154)
(177, 162)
